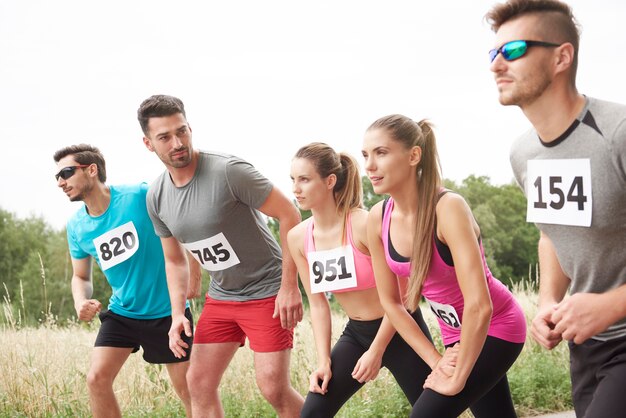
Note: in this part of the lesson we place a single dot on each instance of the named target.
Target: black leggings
(399, 358)
(486, 391)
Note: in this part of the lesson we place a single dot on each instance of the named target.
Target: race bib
(213, 254)
(331, 270)
(116, 245)
(559, 192)
(446, 313)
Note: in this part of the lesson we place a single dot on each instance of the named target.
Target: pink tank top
(442, 291)
(362, 262)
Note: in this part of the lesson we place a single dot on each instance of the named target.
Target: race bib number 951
(559, 192)
(214, 253)
(117, 245)
(331, 270)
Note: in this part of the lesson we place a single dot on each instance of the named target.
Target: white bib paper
(331, 270)
(446, 313)
(116, 245)
(559, 192)
(214, 253)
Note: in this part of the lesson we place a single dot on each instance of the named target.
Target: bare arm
(391, 291)
(289, 299)
(320, 314)
(553, 284)
(82, 290)
(195, 278)
(458, 230)
(177, 271)
(368, 366)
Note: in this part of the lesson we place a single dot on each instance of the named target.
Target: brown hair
(158, 106)
(348, 192)
(558, 23)
(84, 154)
(429, 180)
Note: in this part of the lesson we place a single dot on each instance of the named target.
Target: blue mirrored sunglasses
(515, 49)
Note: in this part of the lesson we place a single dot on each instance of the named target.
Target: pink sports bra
(362, 262)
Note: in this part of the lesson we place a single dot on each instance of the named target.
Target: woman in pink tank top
(331, 253)
(426, 243)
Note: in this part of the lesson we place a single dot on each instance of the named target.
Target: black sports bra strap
(443, 192)
(385, 205)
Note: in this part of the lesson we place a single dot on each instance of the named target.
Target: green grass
(43, 375)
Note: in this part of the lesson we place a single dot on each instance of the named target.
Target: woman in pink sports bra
(423, 233)
(331, 253)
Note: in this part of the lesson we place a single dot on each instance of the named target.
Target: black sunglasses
(67, 172)
(516, 49)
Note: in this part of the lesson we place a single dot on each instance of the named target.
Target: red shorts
(225, 321)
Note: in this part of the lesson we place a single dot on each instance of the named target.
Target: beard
(80, 196)
(177, 162)
(526, 90)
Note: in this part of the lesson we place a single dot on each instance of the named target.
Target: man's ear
(564, 57)
(147, 143)
(92, 170)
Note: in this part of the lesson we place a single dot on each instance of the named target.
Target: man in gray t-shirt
(211, 205)
(572, 166)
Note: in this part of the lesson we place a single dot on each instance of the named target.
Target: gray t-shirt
(215, 217)
(586, 177)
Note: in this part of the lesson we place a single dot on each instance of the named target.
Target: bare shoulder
(455, 218)
(452, 204)
(295, 236)
(376, 212)
(359, 217)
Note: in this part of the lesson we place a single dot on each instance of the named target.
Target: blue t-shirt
(123, 242)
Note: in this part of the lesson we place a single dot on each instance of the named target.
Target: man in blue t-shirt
(114, 228)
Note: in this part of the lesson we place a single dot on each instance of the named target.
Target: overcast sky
(260, 79)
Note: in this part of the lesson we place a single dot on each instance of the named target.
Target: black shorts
(150, 334)
(598, 371)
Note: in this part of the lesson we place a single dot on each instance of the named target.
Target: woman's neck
(326, 217)
(405, 200)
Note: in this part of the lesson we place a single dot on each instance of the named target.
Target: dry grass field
(43, 375)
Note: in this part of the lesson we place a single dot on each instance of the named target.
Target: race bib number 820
(559, 192)
(117, 245)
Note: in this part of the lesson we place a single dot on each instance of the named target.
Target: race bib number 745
(559, 192)
(214, 253)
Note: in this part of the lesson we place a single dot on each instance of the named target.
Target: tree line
(36, 271)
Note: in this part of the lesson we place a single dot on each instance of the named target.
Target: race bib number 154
(559, 192)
